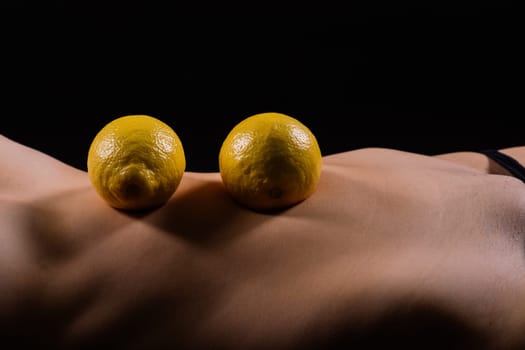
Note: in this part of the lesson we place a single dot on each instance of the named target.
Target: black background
(423, 76)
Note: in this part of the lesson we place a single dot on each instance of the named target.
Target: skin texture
(393, 249)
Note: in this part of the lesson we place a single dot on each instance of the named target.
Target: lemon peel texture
(270, 161)
(136, 162)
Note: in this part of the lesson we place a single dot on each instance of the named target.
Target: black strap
(512, 165)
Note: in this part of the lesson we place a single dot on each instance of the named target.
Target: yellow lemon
(136, 162)
(270, 161)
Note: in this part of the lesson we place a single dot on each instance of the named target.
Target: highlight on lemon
(136, 162)
(270, 161)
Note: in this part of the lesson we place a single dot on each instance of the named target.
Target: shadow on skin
(423, 326)
(204, 215)
(51, 237)
(59, 236)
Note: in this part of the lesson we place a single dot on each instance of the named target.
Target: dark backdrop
(424, 76)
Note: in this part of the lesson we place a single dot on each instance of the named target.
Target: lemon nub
(136, 162)
(132, 183)
(275, 193)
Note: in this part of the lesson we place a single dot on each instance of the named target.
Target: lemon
(270, 161)
(136, 162)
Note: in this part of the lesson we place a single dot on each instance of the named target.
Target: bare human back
(393, 248)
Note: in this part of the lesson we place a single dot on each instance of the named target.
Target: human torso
(388, 239)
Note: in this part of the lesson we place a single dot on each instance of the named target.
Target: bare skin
(393, 248)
